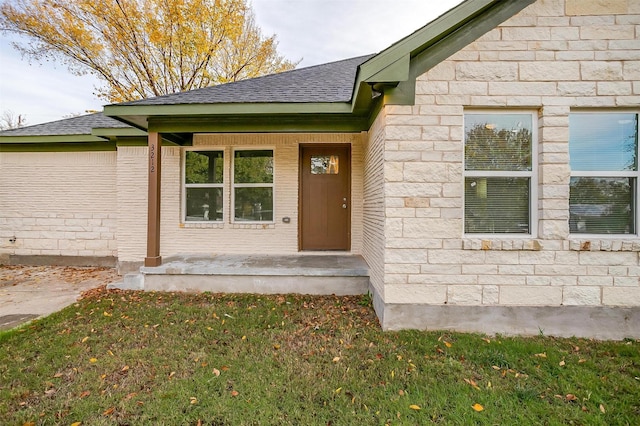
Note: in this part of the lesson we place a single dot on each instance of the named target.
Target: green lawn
(129, 358)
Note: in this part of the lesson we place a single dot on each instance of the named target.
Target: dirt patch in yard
(55, 276)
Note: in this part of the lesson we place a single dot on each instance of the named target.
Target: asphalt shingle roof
(332, 82)
(81, 125)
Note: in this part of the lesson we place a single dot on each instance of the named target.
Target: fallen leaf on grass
(602, 409)
(85, 339)
(447, 344)
(29, 424)
(235, 393)
(414, 407)
(472, 383)
(336, 359)
(562, 363)
(571, 397)
(76, 423)
(57, 375)
(92, 360)
(541, 355)
(84, 394)
(477, 407)
(109, 411)
(193, 400)
(216, 372)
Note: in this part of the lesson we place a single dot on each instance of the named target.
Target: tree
(9, 120)
(144, 48)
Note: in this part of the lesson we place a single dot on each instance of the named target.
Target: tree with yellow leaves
(145, 48)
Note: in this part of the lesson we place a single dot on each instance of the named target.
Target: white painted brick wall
(544, 61)
(58, 203)
(225, 237)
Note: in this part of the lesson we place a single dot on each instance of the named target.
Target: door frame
(301, 147)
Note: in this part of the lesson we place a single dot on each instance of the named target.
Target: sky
(313, 31)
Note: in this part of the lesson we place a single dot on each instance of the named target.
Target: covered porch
(339, 274)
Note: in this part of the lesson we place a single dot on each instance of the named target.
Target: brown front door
(325, 197)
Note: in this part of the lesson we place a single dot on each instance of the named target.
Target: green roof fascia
(396, 68)
(286, 123)
(139, 115)
(59, 147)
(49, 139)
(110, 132)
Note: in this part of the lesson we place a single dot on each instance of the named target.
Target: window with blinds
(603, 152)
(498, 172)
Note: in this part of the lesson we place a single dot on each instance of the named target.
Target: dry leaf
(216, 372)
(109, 411)
(571, 397)
(477, 407)
(125, 368)
(235, 393)
(92, 360)
(447, 344)
(401, 392)
(193, 400)
(76, 423)
(336, 359)
(57, 375)
(414, 407)
(541, 355)
(107, 314)
(85, 394)
(487, 340)
(173, 373)
(85, 339)
(602, 408)
(472, 383)
(562, 363)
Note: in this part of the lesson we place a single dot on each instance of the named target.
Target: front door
(325, 197)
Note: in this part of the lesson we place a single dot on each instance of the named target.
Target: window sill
(591, 244)
(511, 244)
(202, 225)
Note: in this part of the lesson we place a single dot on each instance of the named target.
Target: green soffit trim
(50, 139)
(59, 147)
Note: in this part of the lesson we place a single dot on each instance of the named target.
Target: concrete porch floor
(340, 274)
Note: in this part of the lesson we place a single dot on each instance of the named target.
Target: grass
(118, 358)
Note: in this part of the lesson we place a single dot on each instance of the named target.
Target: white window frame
(611, 174)
(186, 185)
(235, 185)
(532, 175)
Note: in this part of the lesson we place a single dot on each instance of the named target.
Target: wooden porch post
(153, 211)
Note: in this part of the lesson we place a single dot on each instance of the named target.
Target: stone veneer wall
(179, 237)
(541, 60)
(58, 204)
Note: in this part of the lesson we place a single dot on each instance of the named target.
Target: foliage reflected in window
(203, 178)
(253, 185)
(603, 149)
(498, 152)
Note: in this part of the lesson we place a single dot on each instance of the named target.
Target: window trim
(607, 174)
(185, 185)
(531, 174)
(234, 185)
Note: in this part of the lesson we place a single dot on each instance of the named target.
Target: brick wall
(178, 237)
(58, 204)
(541, 60)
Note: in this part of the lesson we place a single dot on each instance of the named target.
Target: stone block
(598, 71)
(626, 281)
(487, 71)
(415, 294)
(490, 295)
(621, 296)
(607, 32)
(530, 296)
(549, 71)
(595, 7)
(464, 295)
(406, 256)
(581, 296)
(431, 228)
(617, 88)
